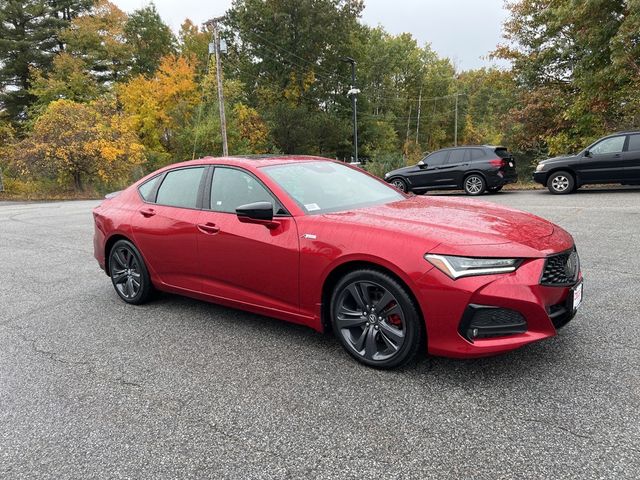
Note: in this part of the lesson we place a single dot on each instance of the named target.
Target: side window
(436, 159)
(608, 145)
(146, 189)
(232, 188)
(180, 188)
(634, 143)
(476, 154)
(456, 156)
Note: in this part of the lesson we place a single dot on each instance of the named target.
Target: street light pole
(216, 47)
(353, 93)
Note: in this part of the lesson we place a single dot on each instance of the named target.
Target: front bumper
(544, 309)
(540, 177)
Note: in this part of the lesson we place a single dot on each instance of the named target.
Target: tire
(400, 184)
(474, 184)
(129, 274)
(386, 340)
(561, 183)
(494, 189)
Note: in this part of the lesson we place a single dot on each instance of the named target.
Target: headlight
(540, 167)
(456, 267)
(386, 175)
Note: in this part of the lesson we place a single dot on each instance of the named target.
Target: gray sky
(463, 30)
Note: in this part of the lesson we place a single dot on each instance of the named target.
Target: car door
(632, 159)
(247, 262)
(427, 176)
(165, 227)
(604, 161)
(451, 172)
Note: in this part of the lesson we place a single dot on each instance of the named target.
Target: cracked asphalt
(93, 388)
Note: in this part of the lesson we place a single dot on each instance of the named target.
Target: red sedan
(319, 243)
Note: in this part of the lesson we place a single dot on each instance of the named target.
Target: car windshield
(322, 187)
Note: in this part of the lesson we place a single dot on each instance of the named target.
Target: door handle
(208, 228)
(617, 155)
(147, 212)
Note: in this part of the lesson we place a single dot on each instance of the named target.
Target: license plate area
(575, 295)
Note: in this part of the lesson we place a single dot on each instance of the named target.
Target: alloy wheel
(399, 184)
(125, 272)
(560, 183)
(473, 185)
(371, 320)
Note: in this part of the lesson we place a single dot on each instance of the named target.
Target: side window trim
(154, 190)
(199, 195)
(207, 191)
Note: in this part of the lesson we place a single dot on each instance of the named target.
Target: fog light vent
(481, 321)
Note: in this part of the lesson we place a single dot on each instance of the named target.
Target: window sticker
(311, 207)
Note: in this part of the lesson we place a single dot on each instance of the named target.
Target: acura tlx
(324, 244)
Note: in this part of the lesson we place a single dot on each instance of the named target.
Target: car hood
(454, 222)
(402, 170)
(561, 158)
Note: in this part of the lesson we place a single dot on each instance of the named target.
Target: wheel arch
(473, 172)
(108, 245)
(400, 177)
(346, 267)
(562, 169)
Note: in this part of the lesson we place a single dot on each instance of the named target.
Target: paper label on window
(311, 207)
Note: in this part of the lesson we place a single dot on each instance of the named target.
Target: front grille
(561, 269)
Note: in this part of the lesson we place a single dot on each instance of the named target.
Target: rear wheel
(375, 319)
(474, 184)
(400, 184)
(561, 183)
(129, 274)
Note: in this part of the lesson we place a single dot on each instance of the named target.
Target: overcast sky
(463, 30)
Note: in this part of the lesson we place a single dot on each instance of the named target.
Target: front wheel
(400, 184)
(376, 321)
(561, 183)
(474, 185)
(129, 274)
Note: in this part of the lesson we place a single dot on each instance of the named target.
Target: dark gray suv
(475, 169)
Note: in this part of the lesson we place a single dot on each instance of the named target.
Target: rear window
(476, 154)
(503, 153)
(180, 188)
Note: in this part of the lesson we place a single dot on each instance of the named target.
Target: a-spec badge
(309, 236)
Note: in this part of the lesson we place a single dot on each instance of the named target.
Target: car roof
(251, 160)
(470, 146)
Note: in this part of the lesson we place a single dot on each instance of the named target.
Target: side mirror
(587, 153)
(421, 164)
(258, 212)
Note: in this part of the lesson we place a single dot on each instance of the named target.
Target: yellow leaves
(252, 128)
(162, 103)
(80, 141)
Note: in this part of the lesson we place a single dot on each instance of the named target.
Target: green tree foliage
(150, 38)
(29, 37)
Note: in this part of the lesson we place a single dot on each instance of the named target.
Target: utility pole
(455, 128)
(353, 93)
(408, 123)
(419, 108)
(216, 49)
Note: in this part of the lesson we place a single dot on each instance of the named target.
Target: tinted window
(180, 188)
(608, 145)
(634, 143)
(320, 187)
(436, 159)
(503, 153)
(232, 188)
(456, 156)
(476, 153)
(146, 189)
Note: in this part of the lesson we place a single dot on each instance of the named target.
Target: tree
(150, 39)
(193, 43)
(67, 79)
(29, 37)
(80, 143)
(160, 106)
(98, 38)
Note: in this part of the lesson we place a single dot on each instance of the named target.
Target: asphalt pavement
(93, 388)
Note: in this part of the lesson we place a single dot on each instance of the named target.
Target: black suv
(475, 169)
(612, 159)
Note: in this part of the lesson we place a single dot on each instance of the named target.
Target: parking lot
(93, 388)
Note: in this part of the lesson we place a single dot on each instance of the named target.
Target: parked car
(475, 169)
(324, 244)
(612, 159)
